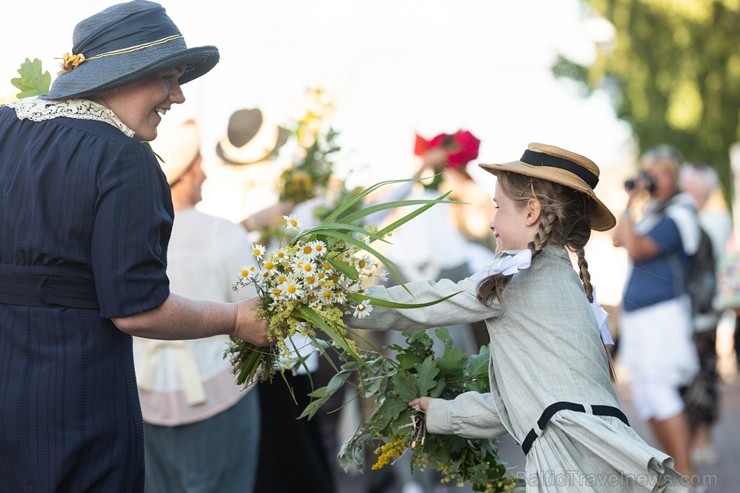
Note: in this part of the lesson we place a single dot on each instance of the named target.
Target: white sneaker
(705, 456)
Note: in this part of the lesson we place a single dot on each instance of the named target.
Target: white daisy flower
(380, 276)
(280, 255)
(363, 309)
(305, 269)
(326, 295)
(339, 297)
(326, 267)
(365, 262)
(319, 248)
(258, 250)
(248, 271)
(292, 289)
(291, 223)
(310, 281)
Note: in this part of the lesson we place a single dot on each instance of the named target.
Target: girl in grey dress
(550, 375)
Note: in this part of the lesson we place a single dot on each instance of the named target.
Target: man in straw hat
(550, 374)
(86, 217)
(201, 429)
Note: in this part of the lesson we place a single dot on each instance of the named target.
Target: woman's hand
(420, 404)
(248, 328)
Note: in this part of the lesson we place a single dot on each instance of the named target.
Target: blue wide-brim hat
(126, 43)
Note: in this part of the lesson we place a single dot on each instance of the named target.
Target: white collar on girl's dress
(513, 261)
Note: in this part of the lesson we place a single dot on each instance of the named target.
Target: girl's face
(141, 105)
(514, 224)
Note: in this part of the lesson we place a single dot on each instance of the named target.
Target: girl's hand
(420, 404)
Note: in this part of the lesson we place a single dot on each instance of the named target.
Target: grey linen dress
(545, 347)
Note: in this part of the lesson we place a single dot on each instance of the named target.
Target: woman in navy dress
(85, 219)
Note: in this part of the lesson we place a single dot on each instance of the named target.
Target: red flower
(461, 147)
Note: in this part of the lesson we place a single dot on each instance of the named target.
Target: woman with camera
(656, 323)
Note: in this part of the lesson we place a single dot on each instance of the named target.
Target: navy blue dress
(78, 199)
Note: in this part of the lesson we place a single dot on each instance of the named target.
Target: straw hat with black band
(126, 43)
(565, 167)
(250, 138)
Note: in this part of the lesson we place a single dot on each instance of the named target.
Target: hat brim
(602, 218)
(282, 138)
(93, 76)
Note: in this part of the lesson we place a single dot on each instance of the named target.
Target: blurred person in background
(656, 325)
(702, 396)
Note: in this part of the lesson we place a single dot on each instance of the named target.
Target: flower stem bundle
(392, 429)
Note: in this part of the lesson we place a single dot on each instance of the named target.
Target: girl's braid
(544, 233)
(584, 274)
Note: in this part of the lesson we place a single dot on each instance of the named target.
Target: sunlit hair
(665, 156)
(564, 220)
(702, 175)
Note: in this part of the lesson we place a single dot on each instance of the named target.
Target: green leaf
(393, 304)
(443, 333)
(345, 269)
(425, 377)
(33, 80)
(388, 412)
(408, 217)
(478, 363)
(409, 361)
(323, 394)
(311, 316)
(405, 387)
(453, 358)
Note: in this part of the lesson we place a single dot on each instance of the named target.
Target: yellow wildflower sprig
(390, 451)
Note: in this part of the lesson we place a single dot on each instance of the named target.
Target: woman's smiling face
(140, 105)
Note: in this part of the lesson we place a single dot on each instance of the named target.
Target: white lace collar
(37, 110)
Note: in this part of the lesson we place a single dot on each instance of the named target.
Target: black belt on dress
(48, 291)
(552, 409)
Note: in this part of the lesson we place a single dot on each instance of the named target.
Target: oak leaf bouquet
(392, 428)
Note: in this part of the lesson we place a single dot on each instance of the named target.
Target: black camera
(647, 181)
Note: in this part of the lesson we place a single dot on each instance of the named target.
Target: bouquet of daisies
(307, 286)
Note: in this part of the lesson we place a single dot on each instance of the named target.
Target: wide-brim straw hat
(177, 146)
(250, 138)
(126, 43)
(565, 167)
